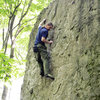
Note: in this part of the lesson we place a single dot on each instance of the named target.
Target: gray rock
(75, 54)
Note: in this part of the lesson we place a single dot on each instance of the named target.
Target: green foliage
(8, 68)
(7, 8)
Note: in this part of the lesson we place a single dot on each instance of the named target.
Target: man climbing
(40, 50)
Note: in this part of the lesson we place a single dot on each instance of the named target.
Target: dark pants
(43, 58)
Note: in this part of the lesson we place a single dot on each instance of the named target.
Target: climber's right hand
(50, 42)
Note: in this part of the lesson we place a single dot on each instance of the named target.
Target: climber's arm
(46, 41)
(42, 22)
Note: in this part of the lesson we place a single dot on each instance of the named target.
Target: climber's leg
(45, 58)
(40, 63)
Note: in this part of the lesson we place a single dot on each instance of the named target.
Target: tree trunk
(10, 33)
(3, 38)
(5, 91)
(12, 49)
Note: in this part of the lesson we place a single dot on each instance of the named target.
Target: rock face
(75, 53)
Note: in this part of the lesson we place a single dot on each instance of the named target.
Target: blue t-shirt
(42, 32)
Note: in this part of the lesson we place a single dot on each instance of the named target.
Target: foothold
(90, 9)
(72, 28)
(73, 2)
(31, 91)
(77, 94)
(64, 37)
(79, 29)
(86, 52)
(77, 37)
(69, 55)
(59, 28)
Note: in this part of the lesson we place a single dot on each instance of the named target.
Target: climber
(40, 50)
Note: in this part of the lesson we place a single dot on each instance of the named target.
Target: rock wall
(75, 53)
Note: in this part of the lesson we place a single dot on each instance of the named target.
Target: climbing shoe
(49, 76)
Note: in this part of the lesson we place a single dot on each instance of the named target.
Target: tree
(20, 10)
(7, 70)
(11, 9)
